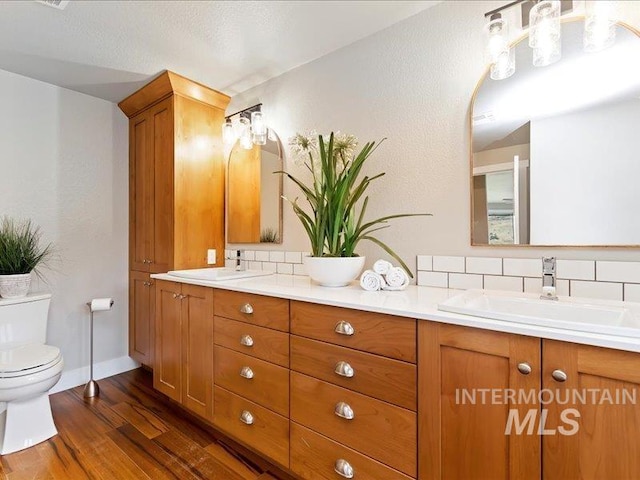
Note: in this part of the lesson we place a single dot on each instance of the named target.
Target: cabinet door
(197, 335)
(461, 430)
(141, 317)
(602, 386)
(167, 372)
(141, 197)
(161, 122)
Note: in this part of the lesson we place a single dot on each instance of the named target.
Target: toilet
(28, 370)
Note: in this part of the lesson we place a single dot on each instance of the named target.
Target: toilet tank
(24, 320)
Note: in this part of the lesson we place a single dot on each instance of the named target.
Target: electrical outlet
(211, 256)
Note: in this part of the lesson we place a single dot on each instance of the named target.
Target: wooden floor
(130, 432)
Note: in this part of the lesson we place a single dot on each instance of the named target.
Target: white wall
(64, 164)
(412, 83)
(584, 189)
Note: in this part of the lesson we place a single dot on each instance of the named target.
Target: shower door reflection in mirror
(254, 193)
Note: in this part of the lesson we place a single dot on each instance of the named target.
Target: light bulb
(258, 128)
(245, 133)
(544, 32)
(498, 53)
(228, 135)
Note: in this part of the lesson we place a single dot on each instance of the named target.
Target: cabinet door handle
(344, 370)
(146, 284)
(343, 468)
(524, 368)
(246, 417)
(175, 295)
(559, 376)
(246, 372)
(344, 410)
(246, 308)
(182, 297)
(344, 328)
(246, 340)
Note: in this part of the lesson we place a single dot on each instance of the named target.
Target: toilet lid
(27, 357)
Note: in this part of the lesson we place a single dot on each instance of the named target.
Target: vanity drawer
(268, 433)
(268, 385)
(264, 343)
(268, 312)
(315, 457)
(379, 430)
(386, 335)
(384, 378)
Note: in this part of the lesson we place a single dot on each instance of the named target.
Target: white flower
(302, 146)
(344, 146)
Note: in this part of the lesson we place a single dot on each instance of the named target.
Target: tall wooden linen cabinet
(176, 190)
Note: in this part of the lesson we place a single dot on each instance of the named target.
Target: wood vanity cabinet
(184, 345)
(458, 439)
(176, 185)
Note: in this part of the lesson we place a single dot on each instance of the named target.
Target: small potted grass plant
(21, 252)
(335, 223)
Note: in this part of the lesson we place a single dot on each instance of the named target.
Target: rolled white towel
(372, 281)
(382, 267)
(396, 279)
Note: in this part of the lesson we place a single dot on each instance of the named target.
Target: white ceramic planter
(334, 271)
(15, 286)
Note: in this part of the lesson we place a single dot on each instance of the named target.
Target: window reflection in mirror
(254, 193)
(555, 149)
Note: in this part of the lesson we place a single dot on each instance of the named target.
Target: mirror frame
(515, 42)
(280, 193)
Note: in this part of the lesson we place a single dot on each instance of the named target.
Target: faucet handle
(548, 265)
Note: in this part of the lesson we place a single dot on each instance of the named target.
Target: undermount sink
(217, 274)
(597, 316)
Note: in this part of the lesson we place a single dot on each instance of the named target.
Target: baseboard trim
(80, 376)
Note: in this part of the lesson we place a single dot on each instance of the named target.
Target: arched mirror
(555, 149)
(254, 193)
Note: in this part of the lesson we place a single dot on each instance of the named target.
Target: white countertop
(414, 302)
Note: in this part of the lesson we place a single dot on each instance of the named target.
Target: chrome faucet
(239, 261)
(549, 278)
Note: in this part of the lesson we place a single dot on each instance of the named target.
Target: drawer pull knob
(343, 468)
(246, 372)
(344, 370)
(559, 376)
(246, 417)
(524, 368)
(343, 410)
(246, 308)
(246, 340)
(344, 328)
(175, 295)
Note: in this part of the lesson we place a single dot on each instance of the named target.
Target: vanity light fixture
(599, 25)
(250, 128)
(499, 53)
(542, 17)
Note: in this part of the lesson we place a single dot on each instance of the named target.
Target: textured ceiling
(110, 48)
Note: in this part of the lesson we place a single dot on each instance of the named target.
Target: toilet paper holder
(91, 389)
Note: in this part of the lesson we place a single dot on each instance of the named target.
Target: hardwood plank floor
(132, 432)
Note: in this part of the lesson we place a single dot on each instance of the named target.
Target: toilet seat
(27, 359)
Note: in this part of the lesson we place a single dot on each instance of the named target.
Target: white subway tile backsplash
(576, 269)
(465, 280)
(603, 290)
(562, 288)
(228, 262)
(298, 269)
(255, 265)
(432, 279)
(618, 272)
(448, 264)
(262, 255)
(425, 262)
(269, 266)
(276, 256)
(491, 266)
(293, 257)
(512, 284)
(522, 267)
(285, 268)
(250, 255)
(631, 292)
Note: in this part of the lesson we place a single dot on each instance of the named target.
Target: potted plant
(336, 223)
(21, 252)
